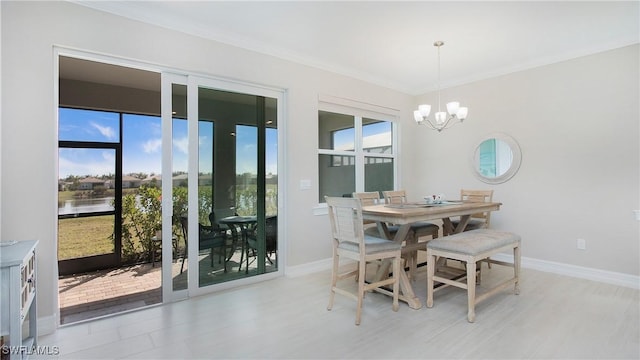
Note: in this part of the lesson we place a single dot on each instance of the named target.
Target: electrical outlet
(581, 244)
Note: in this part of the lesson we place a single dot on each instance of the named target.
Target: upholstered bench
(471, 247)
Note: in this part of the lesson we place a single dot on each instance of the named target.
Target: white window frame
(359, 111)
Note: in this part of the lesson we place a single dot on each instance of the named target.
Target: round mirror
(496, 158)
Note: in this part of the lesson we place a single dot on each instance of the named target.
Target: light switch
(305, 184)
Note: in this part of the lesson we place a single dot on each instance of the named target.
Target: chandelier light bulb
(462, 113)
(424, 110)
(418, 117)
(452, 107)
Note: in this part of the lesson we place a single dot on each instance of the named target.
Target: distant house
(205, 179)
(179, 180)
(64, 185)
(89, 183)
(155, 180)
(130, 182)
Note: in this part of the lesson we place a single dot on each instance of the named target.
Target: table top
(413, 212)
(238, 219)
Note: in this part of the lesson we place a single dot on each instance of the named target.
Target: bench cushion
(474, 242)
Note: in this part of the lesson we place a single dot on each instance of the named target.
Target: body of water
(77, 206)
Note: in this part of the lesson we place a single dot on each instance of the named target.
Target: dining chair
(418, 229)
(480, 220)
(372, 198)
(207, 240)
(349, 241)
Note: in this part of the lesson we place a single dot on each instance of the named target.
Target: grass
(86, 236)
(80, 237)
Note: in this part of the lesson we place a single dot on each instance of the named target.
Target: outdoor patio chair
(271, 239)
(214, 241)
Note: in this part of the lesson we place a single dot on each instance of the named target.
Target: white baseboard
(47, 325)
(610, 277)
(308, 268)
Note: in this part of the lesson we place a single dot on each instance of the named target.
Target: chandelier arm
(451, 123)
(429, 124)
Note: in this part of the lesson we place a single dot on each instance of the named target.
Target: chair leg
(334, 280)
(361, 268)
(246, 268)
(223, 256)
(396, 282)
(471, 290)
(242, 251)
(431, 269)
(184, 256)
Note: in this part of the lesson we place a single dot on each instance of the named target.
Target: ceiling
(391, 43)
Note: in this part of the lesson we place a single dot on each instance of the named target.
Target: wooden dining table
(406, 214)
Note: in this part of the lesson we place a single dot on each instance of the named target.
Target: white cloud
(181, 144)
(68, 167)
(152, 146)
(106, 131)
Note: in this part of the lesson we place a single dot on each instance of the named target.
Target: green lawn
(80, 237)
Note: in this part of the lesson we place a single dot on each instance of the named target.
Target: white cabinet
(18, 297)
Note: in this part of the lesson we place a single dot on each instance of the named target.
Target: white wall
(29, 130)
(578, 125)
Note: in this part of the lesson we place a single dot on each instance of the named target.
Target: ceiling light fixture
(442, 120)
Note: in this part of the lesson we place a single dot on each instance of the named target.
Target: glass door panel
(237, 210)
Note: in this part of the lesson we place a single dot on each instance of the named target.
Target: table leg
(464, 220)
(447, 226)
(406, 291)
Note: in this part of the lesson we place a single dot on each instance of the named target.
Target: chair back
(345, 215)
(395, 197)
(270, 234)
(478, 196)
(367, 198)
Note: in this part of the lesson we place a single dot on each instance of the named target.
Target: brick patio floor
(107, 292)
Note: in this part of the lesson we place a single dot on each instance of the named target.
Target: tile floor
(554, 317)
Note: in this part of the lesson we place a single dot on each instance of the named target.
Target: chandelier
(455, 113)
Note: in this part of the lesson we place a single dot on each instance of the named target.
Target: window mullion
(359, 153)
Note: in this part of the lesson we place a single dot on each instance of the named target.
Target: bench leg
(471, 290)
(516, 268)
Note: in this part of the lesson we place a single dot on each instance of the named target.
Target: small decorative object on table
(434, 199)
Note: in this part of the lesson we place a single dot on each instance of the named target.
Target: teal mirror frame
(486, 156)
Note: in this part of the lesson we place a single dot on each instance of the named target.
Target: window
(356, 151)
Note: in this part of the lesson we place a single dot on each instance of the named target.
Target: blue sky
(142, 144)
(344, 139)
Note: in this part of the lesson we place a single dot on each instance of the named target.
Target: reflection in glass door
(237, 186)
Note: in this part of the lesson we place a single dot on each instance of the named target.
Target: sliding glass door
(224, 182)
